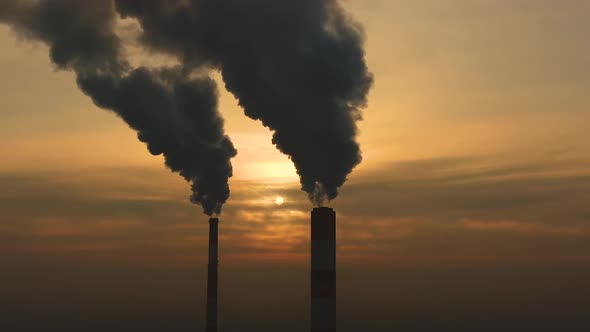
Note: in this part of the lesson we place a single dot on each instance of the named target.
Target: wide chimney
(323, 270)
(211, 324)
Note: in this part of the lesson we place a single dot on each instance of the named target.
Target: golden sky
(472, 201)
(476, 128)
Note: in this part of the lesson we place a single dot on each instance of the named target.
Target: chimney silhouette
(211, 322)
(323, 270)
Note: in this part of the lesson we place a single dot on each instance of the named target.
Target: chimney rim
(323, 209)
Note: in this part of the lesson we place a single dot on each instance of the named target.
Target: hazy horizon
(471, 203)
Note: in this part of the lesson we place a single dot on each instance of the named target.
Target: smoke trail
(175, 116)
(173, 110)
(296, 65)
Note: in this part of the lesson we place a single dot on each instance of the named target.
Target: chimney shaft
(212, 276)
(213, 234)
(323, 270)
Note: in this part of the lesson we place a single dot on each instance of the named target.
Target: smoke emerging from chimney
(173, 110)
(298, 66)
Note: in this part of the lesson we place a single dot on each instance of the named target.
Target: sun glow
(279, 200)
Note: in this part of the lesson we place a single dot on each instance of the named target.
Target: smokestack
(211, 324)
(323, 270)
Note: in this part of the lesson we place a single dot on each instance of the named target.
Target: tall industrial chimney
(323, 270)
(212, 276)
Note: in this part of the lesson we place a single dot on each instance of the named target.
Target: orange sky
(476, 129)
(471, 204)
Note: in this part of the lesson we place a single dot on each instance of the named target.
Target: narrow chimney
(212, 276)
(323, 270)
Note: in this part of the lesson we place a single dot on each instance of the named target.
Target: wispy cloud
(455, 208)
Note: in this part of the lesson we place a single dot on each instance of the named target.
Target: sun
(280, 200)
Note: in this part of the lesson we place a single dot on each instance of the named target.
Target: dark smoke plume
(296, 65)
(174, 110)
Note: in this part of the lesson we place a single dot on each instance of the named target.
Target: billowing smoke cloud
(174, 110)
(296, 65)
(176, 116)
